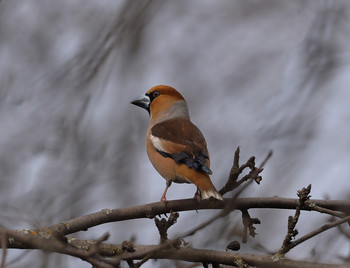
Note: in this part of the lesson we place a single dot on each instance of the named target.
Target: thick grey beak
(142, 101)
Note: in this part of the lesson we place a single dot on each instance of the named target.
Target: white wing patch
(157, 143)
(210, 193)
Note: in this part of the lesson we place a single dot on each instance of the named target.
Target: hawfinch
(175, 146)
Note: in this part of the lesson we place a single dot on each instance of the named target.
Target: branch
(164, 224)
(3, 246)
(56, 243)
(230, 258)
(248, 225)
(203, 255)
(236, 170)
(319, 209)
(151, 210)
(42, 238)
(318, 231)
(304, 195)
(191, 255)
(304, 199)
(176, 242)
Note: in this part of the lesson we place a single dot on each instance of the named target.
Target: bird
(175, 146)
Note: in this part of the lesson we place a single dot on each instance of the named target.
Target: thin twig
(230, 205)
(95, 247)
(346, 233)
(304, 196)
(318, 231)
(232, 181)
(163, 225)
(145, 259)
(248, 223)
(314, 207)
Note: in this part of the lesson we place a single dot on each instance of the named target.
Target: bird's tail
(208, 190)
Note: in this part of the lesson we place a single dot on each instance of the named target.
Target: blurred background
(261, 75)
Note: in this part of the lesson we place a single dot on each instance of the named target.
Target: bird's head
(163, 103)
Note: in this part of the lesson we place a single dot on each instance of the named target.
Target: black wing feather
(197, 163)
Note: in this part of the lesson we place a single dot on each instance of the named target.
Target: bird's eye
(155, 94)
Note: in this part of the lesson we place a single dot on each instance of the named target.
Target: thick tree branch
(192, 255)
(157, 208)
(53, 239)
(56, 243)
(202, 255)
(176, 242)
(230, 258)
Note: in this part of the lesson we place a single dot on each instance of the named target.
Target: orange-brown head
(163, 103)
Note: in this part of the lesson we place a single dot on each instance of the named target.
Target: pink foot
(163, 198)
(197, 195)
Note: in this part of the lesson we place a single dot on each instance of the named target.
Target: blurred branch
(125, 31)
(342, 230)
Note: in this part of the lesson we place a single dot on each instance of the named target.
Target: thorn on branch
(248, 225)
(164, 224)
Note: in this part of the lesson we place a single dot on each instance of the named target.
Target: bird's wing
(182, 141)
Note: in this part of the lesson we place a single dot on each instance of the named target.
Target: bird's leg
(197, 195)
(163, 198)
